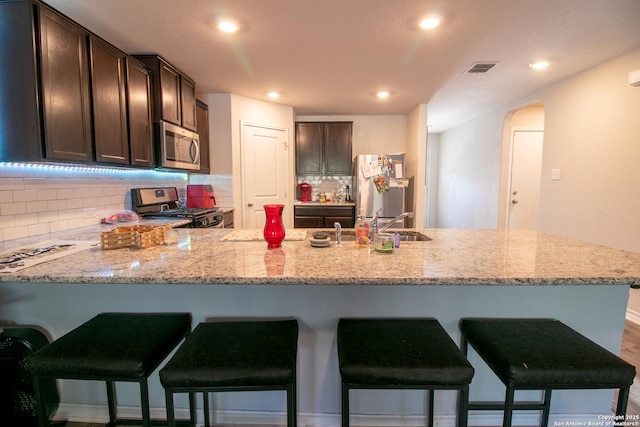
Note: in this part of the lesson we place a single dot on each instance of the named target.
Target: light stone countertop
(453, 257)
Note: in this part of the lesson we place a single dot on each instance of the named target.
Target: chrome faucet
(373, 224)
(338, 227)
(396, 219)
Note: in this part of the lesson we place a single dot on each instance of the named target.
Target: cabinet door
(65, 88)
(110, 128)
(202, 119)
(309, 143)
(307, 222)
(337, 149)
(139, 107)
(188, 103)
(345, 221)
(170, 94)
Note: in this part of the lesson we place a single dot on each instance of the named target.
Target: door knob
(514, 201)
(250, 205)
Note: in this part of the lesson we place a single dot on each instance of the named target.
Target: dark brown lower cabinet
(323, 216)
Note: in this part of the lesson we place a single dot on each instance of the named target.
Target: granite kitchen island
(459, 273)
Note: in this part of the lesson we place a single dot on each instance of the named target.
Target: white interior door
(265, 172)
(526, 166)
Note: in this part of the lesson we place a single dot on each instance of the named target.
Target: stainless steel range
(158, 202)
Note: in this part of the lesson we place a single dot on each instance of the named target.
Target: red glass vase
(274, 227)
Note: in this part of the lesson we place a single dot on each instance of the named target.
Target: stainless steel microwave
(179, 147)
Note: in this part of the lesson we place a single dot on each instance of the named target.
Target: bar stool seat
(401, 354)
(111, 347)
(543, 354)
(234, 356)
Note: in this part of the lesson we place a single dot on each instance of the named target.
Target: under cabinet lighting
(78, 169)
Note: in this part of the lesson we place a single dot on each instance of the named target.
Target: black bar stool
(546, 355)
(415, 354)
(234, 356)
(111, 347)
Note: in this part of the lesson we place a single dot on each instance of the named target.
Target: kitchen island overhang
(452, 257)
(590, 296)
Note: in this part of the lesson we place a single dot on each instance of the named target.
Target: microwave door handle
(196, 148)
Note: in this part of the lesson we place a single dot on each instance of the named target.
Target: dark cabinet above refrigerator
(323, 148)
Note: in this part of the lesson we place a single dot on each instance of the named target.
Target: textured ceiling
(330, 57)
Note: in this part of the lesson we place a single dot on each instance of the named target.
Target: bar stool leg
(623, 398)
(171, 416)
(463, 406)
(205, 407)
(291, 406)
(430, 404)
(111, 401)
(508, 407)
(547, 408)
(345, 405)
(144, 398)
(43, 420)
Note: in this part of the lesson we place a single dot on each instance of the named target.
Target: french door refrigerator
(380, 185)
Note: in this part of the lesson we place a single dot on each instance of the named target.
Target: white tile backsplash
(37, 200)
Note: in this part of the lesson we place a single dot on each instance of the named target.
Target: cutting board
(257, 235)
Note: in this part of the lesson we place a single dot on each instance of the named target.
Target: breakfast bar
(456, 274)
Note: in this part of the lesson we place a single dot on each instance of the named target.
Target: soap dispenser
(362, 231)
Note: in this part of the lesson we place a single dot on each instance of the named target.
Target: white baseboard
(633, 316)
(100, 414)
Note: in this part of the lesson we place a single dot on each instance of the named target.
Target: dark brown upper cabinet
(67, 94)
(323, 148)
(202, 114)
(139, 109)
(189, 103)
(108, 88)
(64, 77)
(174, 94)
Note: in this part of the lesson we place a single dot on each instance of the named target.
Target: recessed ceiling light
(539, 65)
(228, 26)
(273, 95)
(430, 22)
(383, 94)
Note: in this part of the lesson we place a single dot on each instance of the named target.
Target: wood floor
(630, 352)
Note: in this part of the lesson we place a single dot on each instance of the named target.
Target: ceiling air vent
(480, 67)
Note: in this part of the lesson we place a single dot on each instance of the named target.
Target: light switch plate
(555, 174)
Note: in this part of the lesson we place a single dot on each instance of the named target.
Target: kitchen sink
(405, 235)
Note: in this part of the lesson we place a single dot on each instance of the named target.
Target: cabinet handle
(250, 205)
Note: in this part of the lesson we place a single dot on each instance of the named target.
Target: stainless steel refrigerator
(380, 184)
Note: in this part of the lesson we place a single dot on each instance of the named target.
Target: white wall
(592, 130)
(253, 111)
(371, 134)
(431, 208)
(592, 134)
(469, 174)
(417, 163)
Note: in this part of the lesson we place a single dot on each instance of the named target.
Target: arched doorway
(522, 147)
